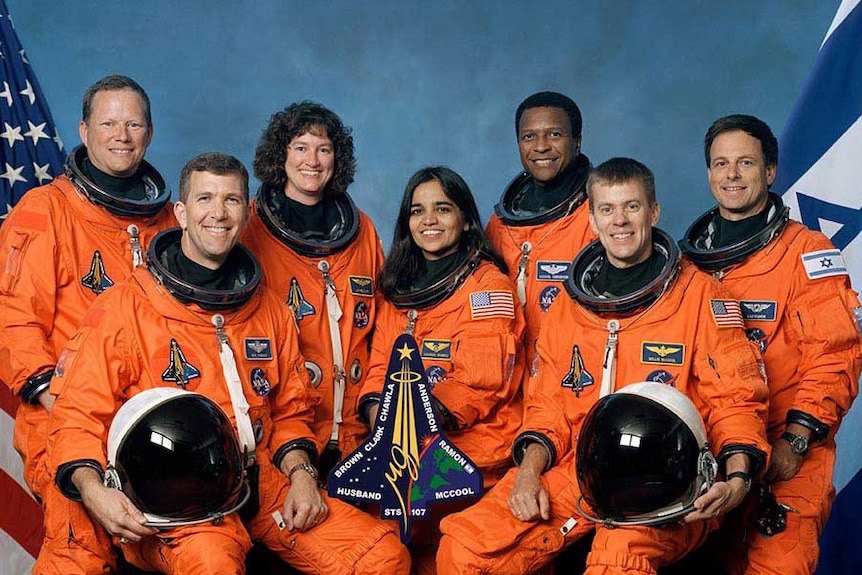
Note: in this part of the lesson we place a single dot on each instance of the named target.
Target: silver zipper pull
(137, 252)
(412, 315)
(323, 266)
(218, 322)
(521, 280)
(333, 307)
(609, 367)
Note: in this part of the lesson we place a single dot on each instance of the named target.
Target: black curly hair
(297, 119)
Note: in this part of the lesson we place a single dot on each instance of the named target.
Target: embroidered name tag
(258, 348)
(552, 271)
(662, 353)
(437, 349)
(758, 310)
(360, 285)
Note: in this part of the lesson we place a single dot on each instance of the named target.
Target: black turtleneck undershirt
(222, 279)
(615, 282)
(728, 232)
(310, 222)
(131, 188)
(436, 270)
(538, 197)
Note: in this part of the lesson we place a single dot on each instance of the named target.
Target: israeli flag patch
(824, 263)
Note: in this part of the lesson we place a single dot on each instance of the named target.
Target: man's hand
(723, 496)
(304, 506)
(784, 464)
(110, 507)
(529, 500)
(46, 400)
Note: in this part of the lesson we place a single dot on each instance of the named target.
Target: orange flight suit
(678, 341)
(811, 347)
(354, 270)
(130, 341)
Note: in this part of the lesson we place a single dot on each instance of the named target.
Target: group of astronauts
(569, 293)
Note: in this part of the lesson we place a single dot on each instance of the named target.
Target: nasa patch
(758, 310)
(435, 374)
(663, 353)
(547, 297)
(552, 271)
(258, 349)
(436, 349)
(259, 382)
(360, 315)
(758, 336)
(662, 376)
(360, 285)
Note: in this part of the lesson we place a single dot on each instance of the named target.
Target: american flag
(492, 304)
(31, 154)
(726, 313)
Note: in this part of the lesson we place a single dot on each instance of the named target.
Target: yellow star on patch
(406, 352)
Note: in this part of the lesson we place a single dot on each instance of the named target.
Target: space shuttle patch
(179, 370)
(97, 280)
(577, 378)
(297, 302)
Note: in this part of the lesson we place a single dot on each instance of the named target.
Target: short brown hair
(214, 163)
(621, 171)
(112, 83)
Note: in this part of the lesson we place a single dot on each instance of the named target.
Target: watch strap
(307, 467)
(745, 476)
(798, 443)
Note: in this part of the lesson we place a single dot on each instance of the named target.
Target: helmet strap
(334, 314)
(234, 387)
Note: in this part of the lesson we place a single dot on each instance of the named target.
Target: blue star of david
(813, 210)
(826, 263)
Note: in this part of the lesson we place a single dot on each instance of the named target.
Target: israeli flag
(820, 178)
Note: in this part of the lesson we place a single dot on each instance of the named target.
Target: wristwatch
(307, 467)
(798, 443)
(746, 478)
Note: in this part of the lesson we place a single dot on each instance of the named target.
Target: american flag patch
(492, 304)
(726, 313)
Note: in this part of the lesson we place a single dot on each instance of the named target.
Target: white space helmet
(175, 455)
(643, 457)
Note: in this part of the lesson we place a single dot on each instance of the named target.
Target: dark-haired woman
(320, 253)
(444, 283)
